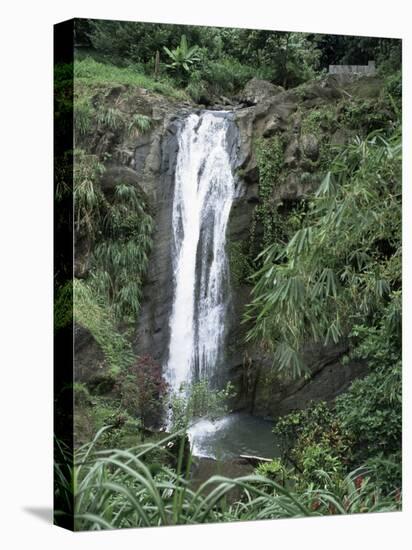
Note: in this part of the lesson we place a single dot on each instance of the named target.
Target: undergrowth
(108, 489)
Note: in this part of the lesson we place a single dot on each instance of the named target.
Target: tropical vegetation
(319, 271)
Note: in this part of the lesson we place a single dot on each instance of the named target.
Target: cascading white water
(203, 195)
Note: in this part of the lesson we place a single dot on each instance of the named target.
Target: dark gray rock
(276, 112)
(292, 153)
(310, 146)
(262, 393)
(115, 174)
(256, 91)
(152, 336)
(90, 366)
(148, 161)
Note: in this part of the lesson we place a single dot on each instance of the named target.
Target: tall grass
(121, 258)
(92, 73)
(107, 489)
(91, 312)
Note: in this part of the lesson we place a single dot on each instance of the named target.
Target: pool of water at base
(233, 435)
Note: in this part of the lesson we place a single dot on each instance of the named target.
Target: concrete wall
(368, 69)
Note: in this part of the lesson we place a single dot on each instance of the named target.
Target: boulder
(90, 366)
(256, 91)
(115, 174)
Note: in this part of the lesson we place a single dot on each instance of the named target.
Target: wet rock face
(277, 112)
(271, 111)
(91, 367)
(265, 395)
(152, 335)
(148, 162)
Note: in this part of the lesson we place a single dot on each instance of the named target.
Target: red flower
(332, 508)
(315, 505)
(358, 482)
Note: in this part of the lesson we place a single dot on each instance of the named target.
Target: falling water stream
(203, 196)
(204, 191)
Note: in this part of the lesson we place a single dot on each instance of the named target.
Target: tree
(183, 58)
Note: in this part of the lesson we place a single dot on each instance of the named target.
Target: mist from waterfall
(203, 195)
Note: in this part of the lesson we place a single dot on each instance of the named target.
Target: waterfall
(203, 195)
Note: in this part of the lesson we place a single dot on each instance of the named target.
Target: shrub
(93, 314)
(139, 124)
(342, 265)
(367, 115)
(269, 159)
(225, 76)
(198, 400)
(87, 195)
(121, 255)
(274, 470)
(109, 118)
(386, 471)
(241, 266)
(314, 439)
(83, 116)
(393, 85)
(182, 58)
(118, 489)
(142, 390)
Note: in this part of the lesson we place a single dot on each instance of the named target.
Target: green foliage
(142, 390)
(269, 159)
(319, 118)
(223, 58)
(288, 58)
(314, 440)
(393, 86)
(222, 76)
(241, 266)
(372, 409)
(275, 470)
(370, 414)
(354, 494)
(90, 73)
(123, 429)
(87, 195)
(319, 124)
(291, 57)
(127, 41)
(386, 471)
(63, 306)
(343, 264)
(318, 459)
(367, 115)
(93, 314)
(120, 257)
(111, 409)
(109, 118)
(358, 50)
(83, 116)
(182, 57)
(364, 428)
(118, 489)
(197, 88)
(198, 400)
(139, 124)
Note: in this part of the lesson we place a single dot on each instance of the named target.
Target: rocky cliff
(307, 121)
